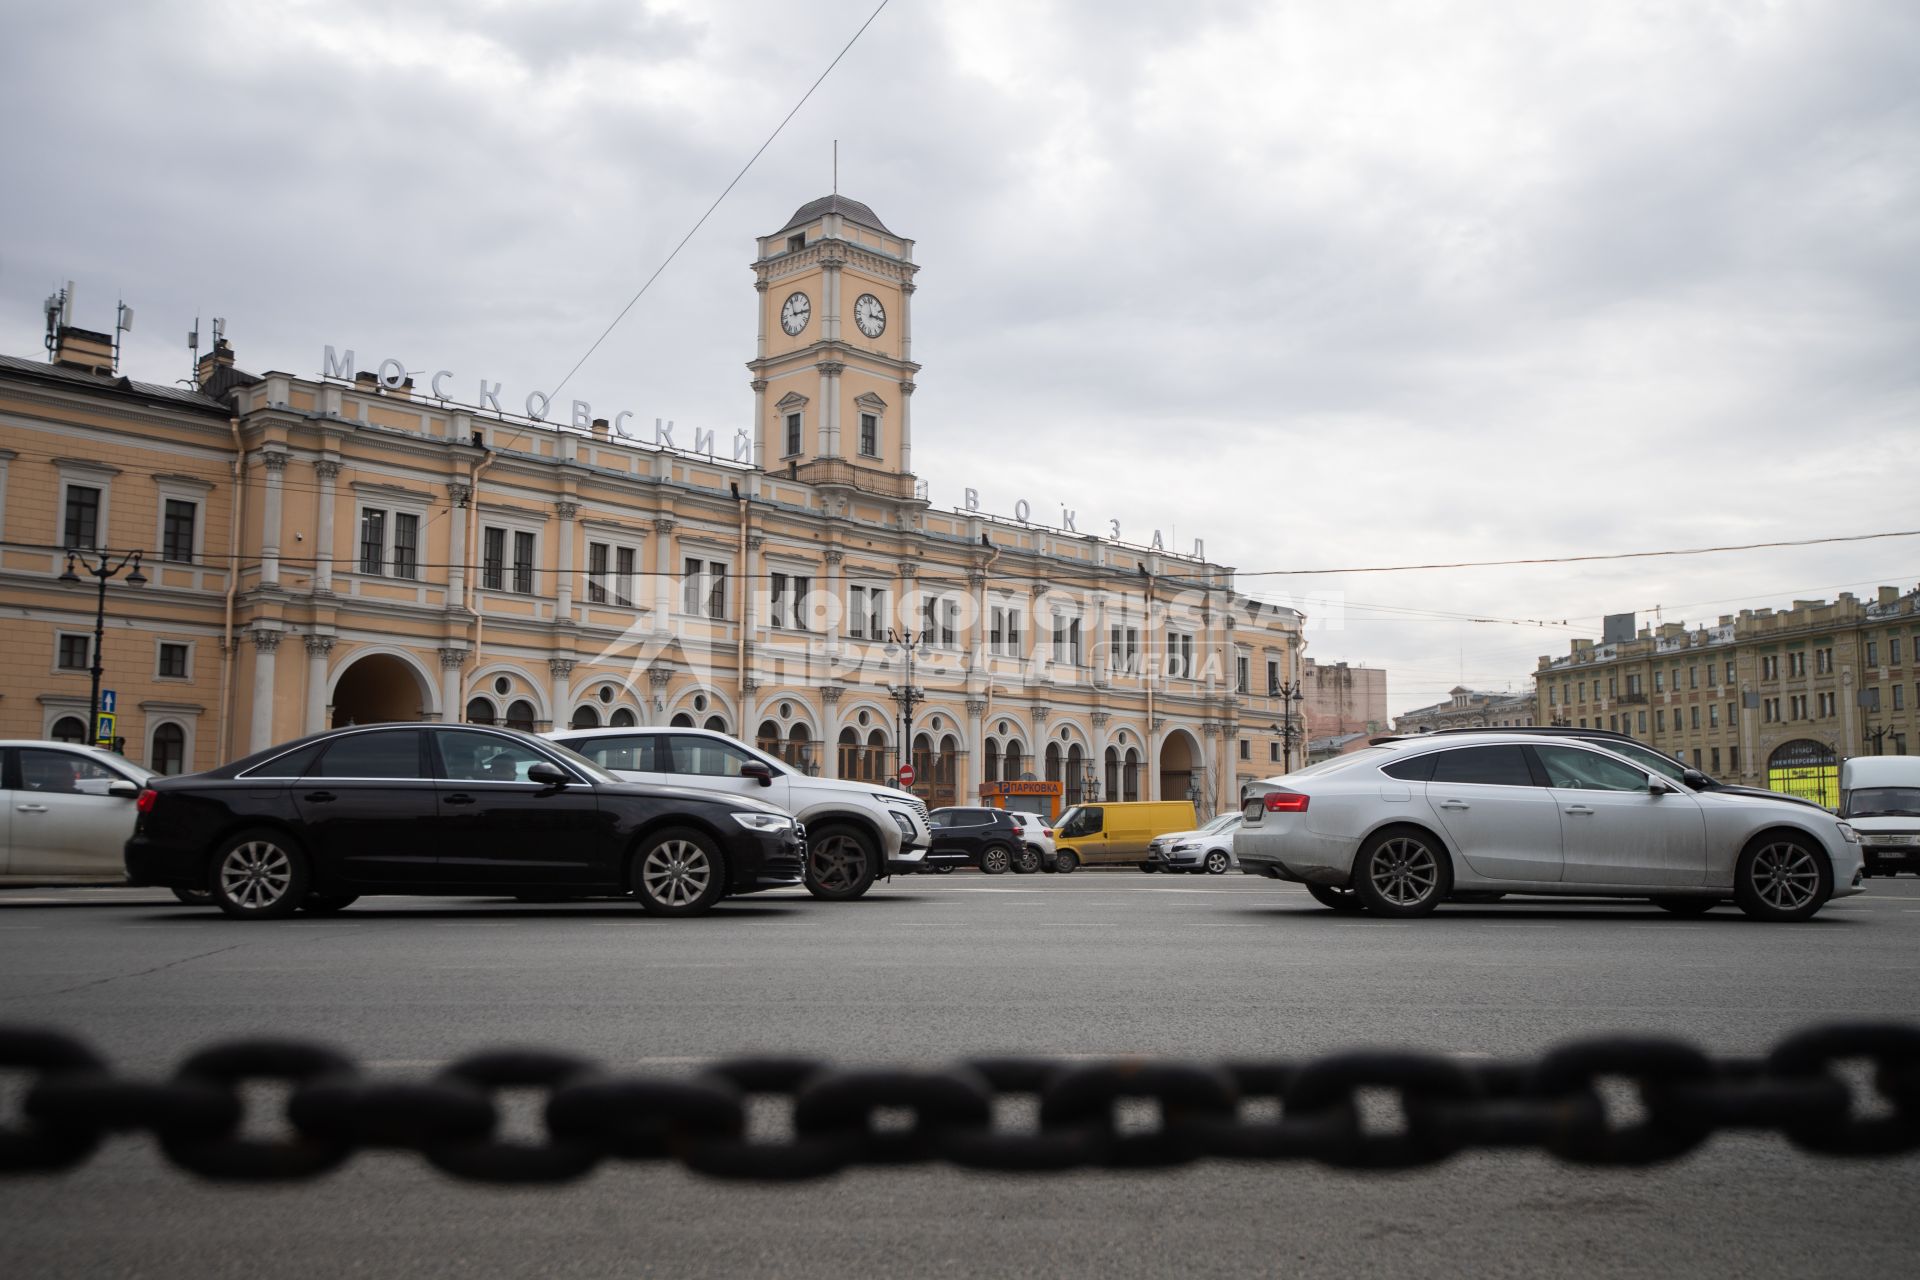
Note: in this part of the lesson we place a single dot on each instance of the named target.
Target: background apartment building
(1469, 709)
(347, 549)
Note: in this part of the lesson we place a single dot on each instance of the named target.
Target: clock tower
(833, 369)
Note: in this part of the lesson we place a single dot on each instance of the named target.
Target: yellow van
(1105, 834)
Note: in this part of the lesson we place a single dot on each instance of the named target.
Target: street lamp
(1288, 693)
(1877, 736)
(906, 695)
(104, 571)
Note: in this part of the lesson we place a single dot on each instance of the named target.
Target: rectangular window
(716, 590)
(1273, 678)
(1873, 653)
(690, 585)
(1643, 722)
(1733, 759)
(1823, 661)
(1180, 655)
(1633, 684)
(493, 559)
(1714, 756)
(523, 562)
(793, 434)
(1899, 697)
(1246, 749)
(1693, 677)
(1583, 691)
(1613, 724)
(1273, 752)
(1066, 640)
(867, 613)
(82, 522)
(869, 435)
(1893, 651)
(176, 531)
(373, 541)
(787, 601)
(1693, 718)
(75, 653)
(173, 661)
(623, 561)
(406, 545)
(1869, 699)
(1660, 721)
(1659, 681)
(1123, 649)
(1003, 631)
(1613, 686)
(597, 572)
(1797, 663)
(1242, 674)
(1713, 715)
(1711, 668)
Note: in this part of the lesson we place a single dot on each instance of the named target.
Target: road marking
(1081, 924)
(925, 924)
(1212, 924)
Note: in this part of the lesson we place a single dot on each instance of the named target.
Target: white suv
(856, 831)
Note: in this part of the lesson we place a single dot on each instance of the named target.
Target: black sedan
(980, 837)
(448, 809)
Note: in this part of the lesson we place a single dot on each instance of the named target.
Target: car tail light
(147, 798)
(1047, 832)
(1285, 802)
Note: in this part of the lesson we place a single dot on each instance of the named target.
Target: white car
(1037, 830)
(856, 832)
(1400, 827)
(1208, 850)
(69, 812)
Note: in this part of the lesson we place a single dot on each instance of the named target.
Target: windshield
(1220, 824)
(1652, 760)
(1889, 802)
(580, 762)
(1341, 762)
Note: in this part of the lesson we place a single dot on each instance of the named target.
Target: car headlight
(1848, 834)
(901, 821)
(764, 821)
(1185, 848)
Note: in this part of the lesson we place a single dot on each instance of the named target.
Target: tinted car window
(625, 751)
(708, 757)
(63, 773)
(1489, 766)
(466, 756)
(1418, 769)
(1083, 821)
(390, 753)
(1588, 770)
(1652, 761)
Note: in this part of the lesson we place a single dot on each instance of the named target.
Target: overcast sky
(1327, 284)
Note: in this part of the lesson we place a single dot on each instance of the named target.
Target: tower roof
(839, 204)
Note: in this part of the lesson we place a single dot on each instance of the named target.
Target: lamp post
(906, 695)
(104, 570)
(1289, 693)
(1878, 736)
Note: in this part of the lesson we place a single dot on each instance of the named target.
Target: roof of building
(81, 379)
(839, 204)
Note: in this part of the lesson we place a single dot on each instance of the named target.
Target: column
(1210, 767)
(1100, 719)
(663, 575)
(563, 609)
(830, 371)
(461, 494)
(327, 470)
(560, 692)
(837, 595)
(453, 704)
(318, 647)
(907, 611)
(265, 642)
(658, 678)
(976, 751)
(830, 728)
(761, 425)
(1150, 761)
(275, 461)
(906, 425)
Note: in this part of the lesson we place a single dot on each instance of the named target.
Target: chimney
(221, 357)
(600, 431)
(1889, 594)
(83, 349)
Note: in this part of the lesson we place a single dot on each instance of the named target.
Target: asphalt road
(929, 969)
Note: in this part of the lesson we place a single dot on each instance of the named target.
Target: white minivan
(856, 831)
(1880, 798)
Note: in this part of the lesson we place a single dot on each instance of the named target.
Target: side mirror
(547, 775)
(122, 789)
(1695, 779)
(1659, 786)
(754, 769)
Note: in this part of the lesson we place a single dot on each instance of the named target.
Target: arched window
(990, 761)
(1130, 776)
(768, 739)
(717, 724)
(876, 762)
(1076, 774)
(622, 718)
(479, 711)
(800, 749)
(1014, 763)
(168, 753)
(923, 763)
(585, 717)
(1112, 789)
(69, 729)
(849, 749)
(521, 715)
(947, 772)
(1053, 762)
(682, 720)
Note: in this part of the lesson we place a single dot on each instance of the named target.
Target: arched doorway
(1015, 763)
(379, 688)
(585, 716)
(947, 772)
(1130, 775)
(1076, 775)
(1112, 789)
(1807, 769)
(1181, 769)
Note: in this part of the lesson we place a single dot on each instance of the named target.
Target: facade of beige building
(353, 548)
(1469, 709)
(1774, 698)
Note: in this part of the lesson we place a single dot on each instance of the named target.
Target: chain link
(839, 1117)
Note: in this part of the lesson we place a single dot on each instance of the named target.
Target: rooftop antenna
(193, 355)
(122, 323)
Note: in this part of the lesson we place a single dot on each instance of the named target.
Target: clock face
(870, 315)
(794, 313)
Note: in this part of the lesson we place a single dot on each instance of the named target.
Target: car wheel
(195, 897)
(841, 864)
(1682, 906)
(1026, 861)
(1402, 873)
(1148, 867)
(1066, 861)
(259, 875)
(1781, 878)
(1330, 895)
(993, 860)
(678, 872)
(1218, 862)
(945, 868)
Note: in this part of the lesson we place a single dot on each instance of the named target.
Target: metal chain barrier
(1248, 1111)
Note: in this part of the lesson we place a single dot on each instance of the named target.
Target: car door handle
(31, 808)
(1579, 808)
(319, 797)
(1455, 804)
(458, 797)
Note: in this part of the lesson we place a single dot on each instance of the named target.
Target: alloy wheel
(676, 872)
(1785, 876)
(838, 862)
(256, 874)
(1217, 863)
(1404, 872)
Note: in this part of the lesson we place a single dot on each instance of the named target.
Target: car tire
(994, 859)
(1345, 901)
(195, 897)
(1026, 861)
(841, 863)
(678, 872)
(1148, 867)
(1782, 878)
(1402, 872)
(1685, 906)
(1218, 863)
(944, 868)
(1066, 861)
(260, 875)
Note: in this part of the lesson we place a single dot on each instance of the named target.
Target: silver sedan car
(1401, 827)
(1208, 849)
(69, 811)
